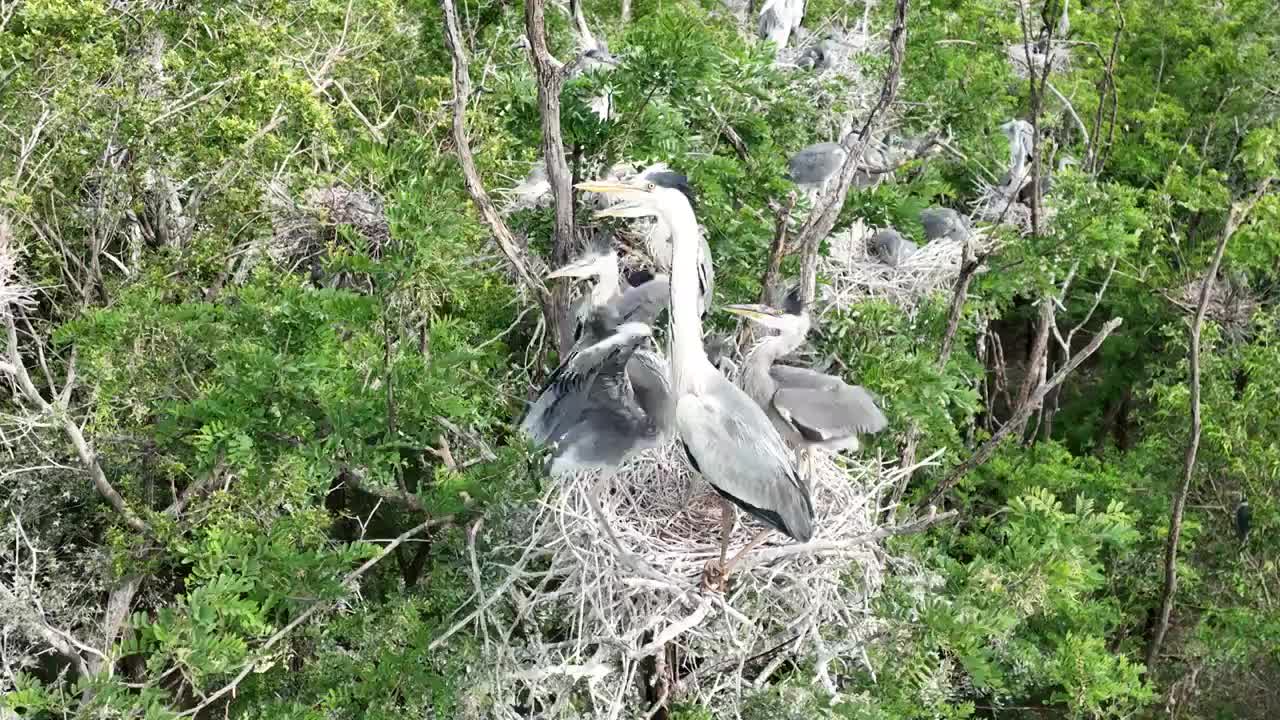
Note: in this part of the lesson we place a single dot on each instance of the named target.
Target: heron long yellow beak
(756, 312)
(631, 195)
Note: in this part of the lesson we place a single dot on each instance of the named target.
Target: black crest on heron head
(792, 304)
(636, 278)
(675, 181)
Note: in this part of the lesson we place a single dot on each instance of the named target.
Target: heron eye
(651, 187)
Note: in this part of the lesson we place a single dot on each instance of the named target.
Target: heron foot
(715, 576)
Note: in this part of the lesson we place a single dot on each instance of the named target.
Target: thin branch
(527, 268)
(820, 222)
(1239, 213)
(88, 458)
(313, 610)
(1020, 416)
(551, 74)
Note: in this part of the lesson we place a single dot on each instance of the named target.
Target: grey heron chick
(598, 312)
(815, 167)
(890, 248)
(819, 57)
(940, 222)
(727, 437)
(812, 410)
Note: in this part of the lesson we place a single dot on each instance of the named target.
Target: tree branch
(1020, 415)
(551, 76)
(819, 223)
(527, 269)
(1239, 213)
(16, 369)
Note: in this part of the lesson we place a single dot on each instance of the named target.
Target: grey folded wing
(823, 414)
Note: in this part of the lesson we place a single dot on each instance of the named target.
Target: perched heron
(657, 237)
(812, 410)
(814, 168)
(940, 222)
(890, 248)
(1244, 518)
(779, 18)
(728, 438)
(597, 313)
(1021, 136)
(1045, 182)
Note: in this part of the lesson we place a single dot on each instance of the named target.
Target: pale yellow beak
(630, 207)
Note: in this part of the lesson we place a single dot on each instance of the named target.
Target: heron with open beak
(727, 437)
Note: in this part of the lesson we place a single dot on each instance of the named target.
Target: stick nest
(854, 274)
(584, 616)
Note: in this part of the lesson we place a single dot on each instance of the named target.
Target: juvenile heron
(819, 57)
(727, 437)
(598, 312)
(812, 410)
(814, 168)
(890, 248)
(940, 222)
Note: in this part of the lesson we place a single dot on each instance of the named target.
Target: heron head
(770, 317)
(636, 198)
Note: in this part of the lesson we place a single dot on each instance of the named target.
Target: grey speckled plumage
(890, 248)
(940, 222)
(814, 165)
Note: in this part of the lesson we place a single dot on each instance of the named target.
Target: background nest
(855, 275)
(588, 615)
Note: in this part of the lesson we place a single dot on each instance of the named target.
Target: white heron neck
(607, 285)
(687, 356)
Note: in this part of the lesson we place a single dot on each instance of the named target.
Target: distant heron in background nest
(727, 437)
(889, 247)
(940, 222)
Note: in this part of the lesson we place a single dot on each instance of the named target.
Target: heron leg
(593, 497)
(726, 528)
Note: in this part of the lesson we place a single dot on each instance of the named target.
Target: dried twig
(1239, 213)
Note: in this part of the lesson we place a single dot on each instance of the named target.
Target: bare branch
(528, 269)
(1020, 416)
(1239, 213)
(84, 450)
(551, 76)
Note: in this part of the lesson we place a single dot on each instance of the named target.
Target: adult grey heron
(1021, 137)
(728, 438)
(779, 18)
(1244, 518)
(940, 222)
(890, 248)
(657, 232)
(812, 410)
